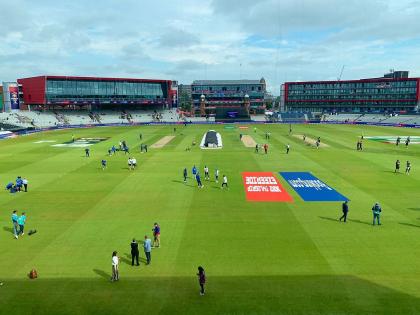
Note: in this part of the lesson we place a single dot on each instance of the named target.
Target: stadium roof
(55, 77)
(226, 82)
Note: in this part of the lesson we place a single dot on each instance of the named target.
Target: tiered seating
(42, 119)
(398, 119)
(78, 118)
(371, 118)
(414, 121)
(14, 120)
(342, 117)
(293, 117)
(8, 127)
(200, 119)
(259, 118)
(111, 117)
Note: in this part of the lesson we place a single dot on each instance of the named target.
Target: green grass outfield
(260, 258)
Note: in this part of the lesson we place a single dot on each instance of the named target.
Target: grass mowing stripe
(260, 258)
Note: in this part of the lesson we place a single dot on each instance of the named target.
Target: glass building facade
(370, 95)
(81, 91)
(62, 90)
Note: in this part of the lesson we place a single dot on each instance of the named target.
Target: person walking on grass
(265, 148)
(397, 166)
(206, 173)
(103, 163)
(134, 252)
(198, 179)
(408, 168)
(87, 152)
(185, 174)
(25, 184)
(216, 175)
(376, 210)
(287, 148)
(225, 182)
(345, 209)
(15, 224)
(201, 279)
(156, 235)
(256, 148)
(115, 266)
(147, 245)
(21, 222)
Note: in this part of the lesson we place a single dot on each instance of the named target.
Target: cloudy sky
(281, 40)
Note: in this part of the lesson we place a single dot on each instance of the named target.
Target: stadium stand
(373, 118)
(341, 117)
(259, 118)
(46, 119)
(293, 117)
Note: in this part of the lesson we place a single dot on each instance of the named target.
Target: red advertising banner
(264, 186)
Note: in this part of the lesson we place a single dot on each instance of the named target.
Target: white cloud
(226, 39)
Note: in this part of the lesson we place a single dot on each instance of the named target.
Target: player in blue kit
(198, 179)
(103, 163)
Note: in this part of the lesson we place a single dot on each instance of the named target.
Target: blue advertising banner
(310, 188)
